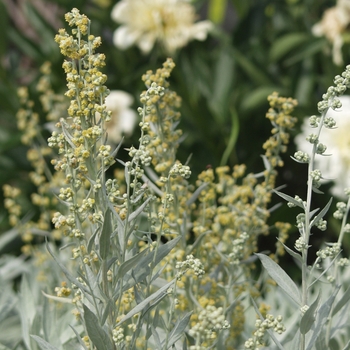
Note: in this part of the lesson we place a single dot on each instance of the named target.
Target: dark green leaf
(255, 73)
(257, 97)
(307, 51)
(223, 76)
(233, 137)
(106, 232)
(287, 43)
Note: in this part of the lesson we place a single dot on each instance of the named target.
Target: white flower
(123, 118)
(334, 22)
(170, 22)
(335, 165)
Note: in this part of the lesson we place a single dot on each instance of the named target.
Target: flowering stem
(306, 230)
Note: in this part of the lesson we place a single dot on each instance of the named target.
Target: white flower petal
(147, 42)
(124, 37)
(123, 118)
(119, 99)
(200, 30)
(119, 11)
(170, 22)
(127, 121)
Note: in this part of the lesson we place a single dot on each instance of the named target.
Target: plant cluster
(138, 256)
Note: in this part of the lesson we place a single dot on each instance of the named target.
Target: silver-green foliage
(322, 302)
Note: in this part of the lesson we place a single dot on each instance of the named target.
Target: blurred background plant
(233, 57)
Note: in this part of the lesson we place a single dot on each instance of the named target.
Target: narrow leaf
(68, 274)
(27, 310)
(151, 185)
(137, 212)
(93, 283)
(142, 269)
(253, 71)
(106, 234)
(289, 199)
(178, 329)
(82, 344)
(233, 137)
(196, 194)
(287, 43)
(281, 277)
(91, 240)
(295, 343)
(7, 307)
(111, 261)
(59, 299)
(324, 272)
(156, 337)
(95, 332)
(107, 310)
(292, 253)
(343, 301)
(155, 298)
(44, 345)
(298, 161)
(7, 237)
(322, 213)
(308, 318)
(129, 264)
(316, 190)
(347, 346)
(322, 318)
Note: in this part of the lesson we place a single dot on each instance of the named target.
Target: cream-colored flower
(123, 117)
(144, 22)
(335, 165)
(334, 22)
